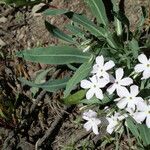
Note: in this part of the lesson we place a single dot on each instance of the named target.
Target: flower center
(94, 86)
(130, 98)
(117, 82)
(148, 65)
(101, 70)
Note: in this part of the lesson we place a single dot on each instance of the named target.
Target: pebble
(3, 20)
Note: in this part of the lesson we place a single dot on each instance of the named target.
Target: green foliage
(112, 40)
(98, 10)
(55, 55)
(58, 33)
(80, 74)
(75, 98)
(51, 85)
(39, 79)
(140, 131)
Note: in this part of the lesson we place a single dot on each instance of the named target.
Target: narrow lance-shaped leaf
(55, 55)
(118, 24)
(80, 74)
(133, 128)
(58, 33)
(88, 24)
(134, 46)
(144, 133)
(39, 79)
(98, 10)
(51, 85)
(54, 12)
(75, 98)
(84, 21)
(94, 100)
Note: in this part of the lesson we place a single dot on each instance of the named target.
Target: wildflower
(144, 66)
(119, 83)
(100, 69)
(94, 86)
(129, 99)
(114, 122)
(92, 121)
(143, 113)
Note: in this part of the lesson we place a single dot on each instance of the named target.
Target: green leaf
(98, 10)
(118, 24)
(85, 22)
(54, 12)
(80, 74)
(134, 46)
(95, 100)
(55, 55)
(88, 24)
(75, 98)
(133, 127)
(122, 17)
(58, 33)
(145, 134)
(51, 85)
(38, 80)
(74, 29)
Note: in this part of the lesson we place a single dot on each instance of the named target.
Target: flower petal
(126, 81)
(134, 90)
(122, 91)
(139, 116)
(102, 82)
(86, 84)
(99, 93)
(143, 59)
(90, 114)
(139, 68)
(100, 60)
(95, 129)
(90, 93)
(119, 73)
(142, 107)
(94, 79)
(122, 103)
(146, 74)
(108, 65)
(111, 89)
(148, 121)
(97, 121)
(87, 126)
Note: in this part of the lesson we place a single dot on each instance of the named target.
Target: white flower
(142, 114)
(100, 68)
(129, 99)
(119, 83)
(94, 86)
(144, 66)
(114, 122)
(92, 121)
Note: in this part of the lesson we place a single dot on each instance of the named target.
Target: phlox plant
(110, 70)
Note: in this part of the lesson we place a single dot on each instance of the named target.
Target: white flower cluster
(127, 99)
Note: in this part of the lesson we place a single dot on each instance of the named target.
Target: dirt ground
(40, 122)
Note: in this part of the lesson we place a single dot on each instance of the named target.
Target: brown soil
(40, 122)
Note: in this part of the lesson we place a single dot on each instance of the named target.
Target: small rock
(2, 43)
(3, 19)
